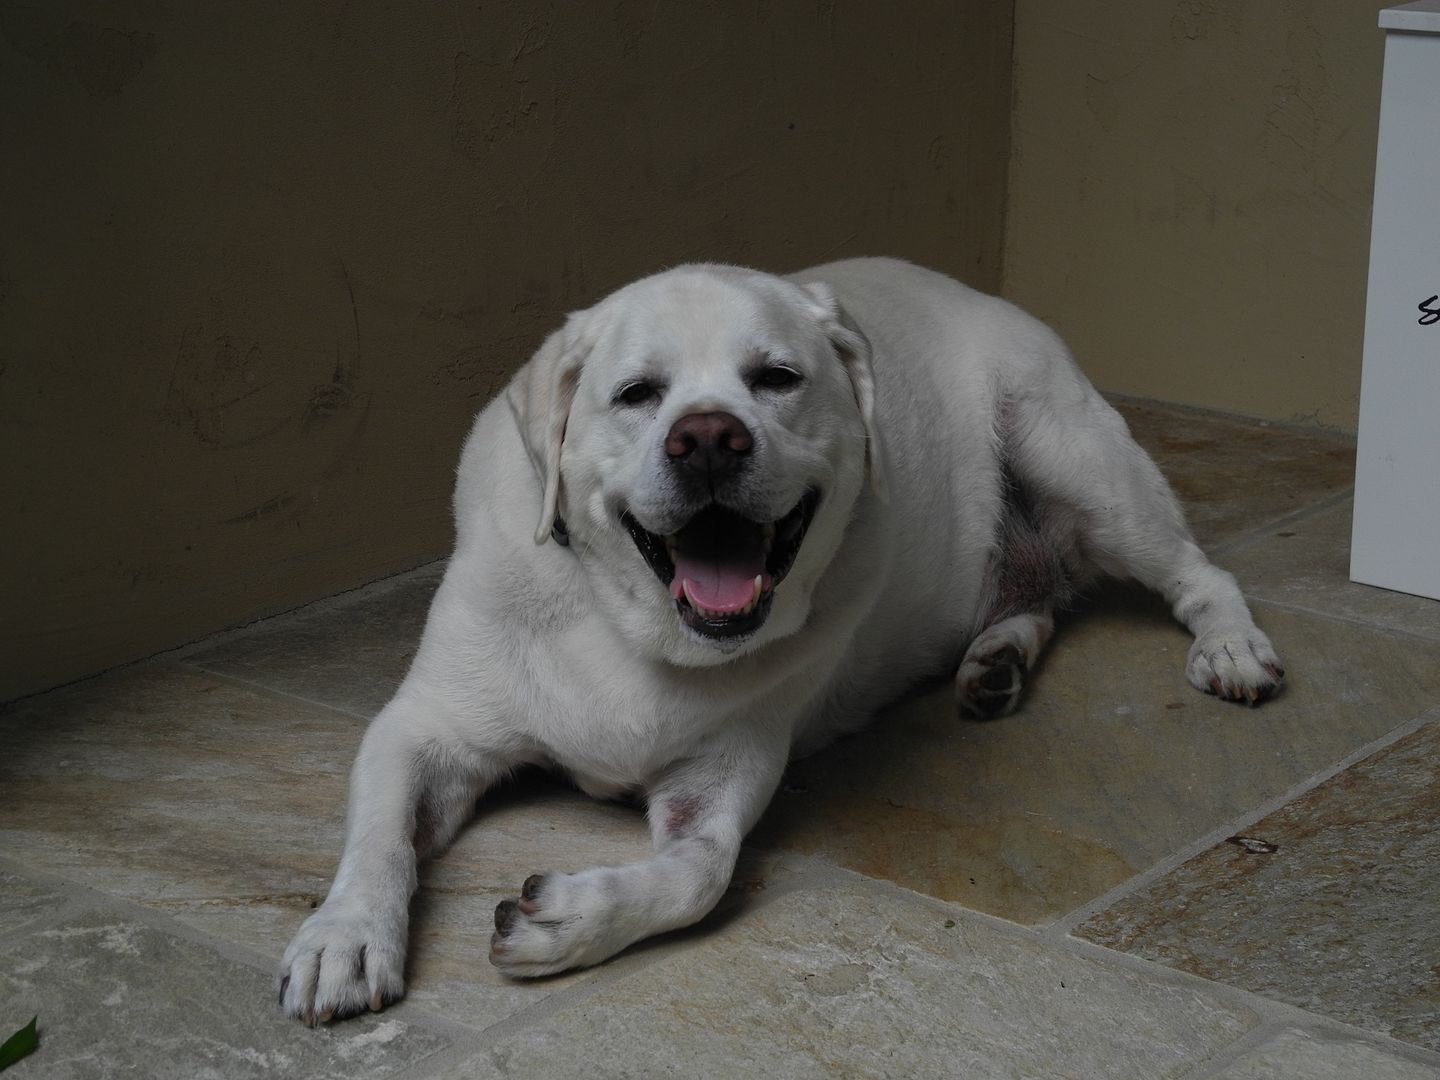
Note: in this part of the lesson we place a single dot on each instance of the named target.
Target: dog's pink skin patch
(680, 812)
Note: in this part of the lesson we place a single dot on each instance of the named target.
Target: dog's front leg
(700, 808)
(411, 788)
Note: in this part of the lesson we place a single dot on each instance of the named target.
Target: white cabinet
(1396, 537)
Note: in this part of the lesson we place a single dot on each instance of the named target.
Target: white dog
(718, 519)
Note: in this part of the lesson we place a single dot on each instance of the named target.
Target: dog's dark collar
(559, 533)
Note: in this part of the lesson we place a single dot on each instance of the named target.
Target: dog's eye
(636, 393)
(776, 378)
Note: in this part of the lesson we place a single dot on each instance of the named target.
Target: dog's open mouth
(721, 567)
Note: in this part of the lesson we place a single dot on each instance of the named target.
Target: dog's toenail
(531, 888)
(375, 1003)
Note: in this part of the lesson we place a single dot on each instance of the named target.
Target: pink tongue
(718, 584)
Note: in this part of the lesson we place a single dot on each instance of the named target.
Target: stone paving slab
(350, 652)
(23, 901)
(224, 807)
(1307, 563)
(118, 998)
(1300, 1055)
(1112, 763)
(1330, 903)
(1233, 474)
(170, 783)
(859, 982)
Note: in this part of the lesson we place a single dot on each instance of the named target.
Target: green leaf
(19, 1044)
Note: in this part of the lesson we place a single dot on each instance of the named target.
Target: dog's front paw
(347, 957)
(1237, 664)
(561, 921)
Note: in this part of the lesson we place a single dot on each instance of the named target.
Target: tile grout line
(1063, 927)
(1261, 532)
(809, 873)
(82, 899)
(1298, 428)
(272, 691)
(1238, 1050)
(1272, 1014)
(226, 636)
(323, 605)
(466, 1040)
(89, 898)
(73, 902)
(1344, 620)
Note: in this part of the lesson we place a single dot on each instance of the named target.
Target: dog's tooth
(755, 594)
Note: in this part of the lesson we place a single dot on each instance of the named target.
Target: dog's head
(703, 434)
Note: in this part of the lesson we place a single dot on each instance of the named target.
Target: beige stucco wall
(260, 265)
(1190, 195)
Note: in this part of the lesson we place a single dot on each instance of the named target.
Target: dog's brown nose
(712, 444)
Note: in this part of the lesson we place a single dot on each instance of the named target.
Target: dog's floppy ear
(540, 396)
(853, 348)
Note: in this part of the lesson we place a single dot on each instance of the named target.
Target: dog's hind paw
(988, 686)
(1236, 664)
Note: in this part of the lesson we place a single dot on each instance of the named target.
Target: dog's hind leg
(700, 809)
(1065, 442)
(1034, 573)
(998, 662)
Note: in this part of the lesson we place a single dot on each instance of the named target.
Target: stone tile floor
(1125, 879)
